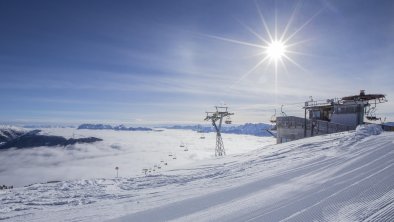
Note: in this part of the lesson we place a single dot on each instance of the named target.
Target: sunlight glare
(276, 50)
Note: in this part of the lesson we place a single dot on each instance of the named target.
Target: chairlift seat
(372, 118)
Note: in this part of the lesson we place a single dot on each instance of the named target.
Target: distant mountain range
(47, 126)
(255, 129)
(12, 137)
(389, 124)
(109, 127)
(8, 133)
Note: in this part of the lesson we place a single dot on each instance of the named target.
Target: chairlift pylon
(221, 112)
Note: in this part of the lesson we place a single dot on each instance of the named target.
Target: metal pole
(305, 124)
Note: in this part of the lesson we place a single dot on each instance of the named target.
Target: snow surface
(338, 177)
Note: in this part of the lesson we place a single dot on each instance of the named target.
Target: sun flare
(276, 45)
(276, 50)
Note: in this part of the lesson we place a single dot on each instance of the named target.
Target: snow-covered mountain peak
(8, 133)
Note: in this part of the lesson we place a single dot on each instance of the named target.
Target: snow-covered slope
(339, 177)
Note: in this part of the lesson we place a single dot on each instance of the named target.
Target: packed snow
(338, 177)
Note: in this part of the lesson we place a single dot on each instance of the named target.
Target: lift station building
(330, 116)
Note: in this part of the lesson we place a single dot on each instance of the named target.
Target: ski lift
(371, 113)
(372, 118)
(201, 130)
(186, 149)
(228, 120)
(117, 171)
(273, 118)
(281, 110)
(182, 145)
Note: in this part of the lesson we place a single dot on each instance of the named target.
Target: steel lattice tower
(221, 111)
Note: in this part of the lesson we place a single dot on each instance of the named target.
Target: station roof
(364, 97)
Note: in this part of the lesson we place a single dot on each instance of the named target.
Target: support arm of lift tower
(221, 112)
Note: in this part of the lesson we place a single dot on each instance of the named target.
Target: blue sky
(152, 62)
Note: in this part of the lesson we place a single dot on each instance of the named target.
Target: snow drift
(368, 130)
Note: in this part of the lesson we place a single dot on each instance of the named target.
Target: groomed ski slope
(338, 177)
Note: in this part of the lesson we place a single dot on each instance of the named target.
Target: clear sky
(153, 61)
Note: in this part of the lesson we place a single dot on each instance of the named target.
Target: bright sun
(275, 50)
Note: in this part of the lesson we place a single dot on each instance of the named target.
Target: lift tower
(221, 111)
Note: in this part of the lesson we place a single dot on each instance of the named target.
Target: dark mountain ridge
(33, 139)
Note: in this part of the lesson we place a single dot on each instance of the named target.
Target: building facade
(331, 116)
